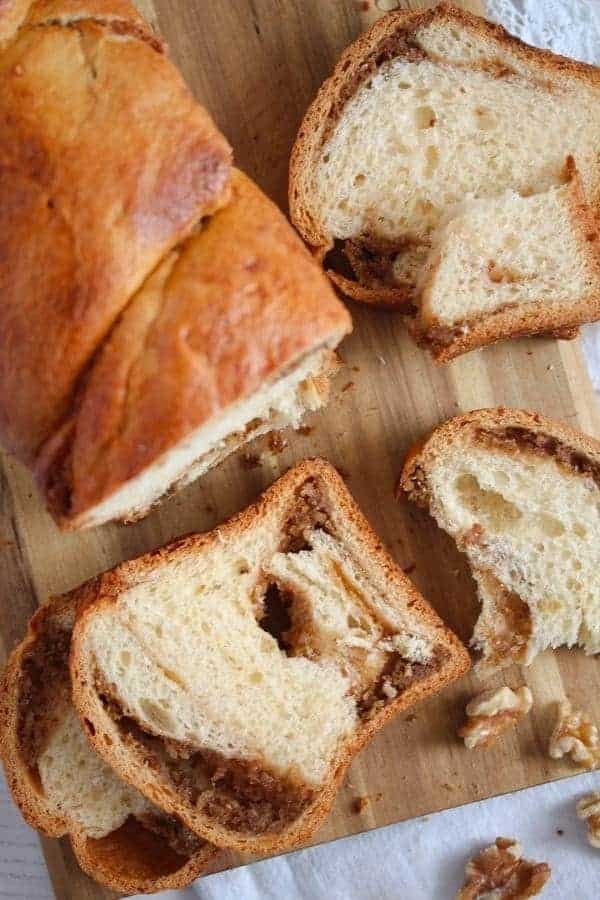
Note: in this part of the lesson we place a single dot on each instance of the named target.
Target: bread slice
(231, 337)
(62, 787)
(520, 495)
(233, 676)
(510, 265)
(425, 110)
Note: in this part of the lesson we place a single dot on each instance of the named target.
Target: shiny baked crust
(232, 308)
(106, 163)
(12, 13)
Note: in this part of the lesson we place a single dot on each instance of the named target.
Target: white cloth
(422, 859)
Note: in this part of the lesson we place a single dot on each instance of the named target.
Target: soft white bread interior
(232, 676)
(430, 108)
(509, 265)
(82, 786)
(520, 495)
(63, 787)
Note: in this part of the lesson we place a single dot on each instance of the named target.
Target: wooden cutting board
(257, 64)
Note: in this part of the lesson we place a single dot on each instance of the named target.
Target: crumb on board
(305, 429)
(249, 461)
(348, 386)
(359, 804)
(277, 442)
(408, 570)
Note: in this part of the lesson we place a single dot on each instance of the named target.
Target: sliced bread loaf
(520, 495)
(179, 314)
(429, 108)
(231, 337)
(63, 787)
(232, 676)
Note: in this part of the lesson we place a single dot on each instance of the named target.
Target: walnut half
(576, 735)
(588, 808)
(501, 873)
(493, 712)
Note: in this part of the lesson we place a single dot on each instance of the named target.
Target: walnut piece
(575, 734)
(493, 712)
(588, 808)
(501, 873)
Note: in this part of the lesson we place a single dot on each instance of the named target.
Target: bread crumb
(360, 804)
(249, 461)
(277, 442)
(348, 387)
(409, 569)
(305, 429)
(388, 690)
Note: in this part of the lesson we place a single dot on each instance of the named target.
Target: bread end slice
(63, 788)
(233, 676)
(520, 495)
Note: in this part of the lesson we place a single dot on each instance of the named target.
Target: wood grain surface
(257, 64)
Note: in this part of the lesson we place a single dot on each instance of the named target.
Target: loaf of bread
(63, 787)
(230, 337)
(435, 129)
(157, 310)
(232, 677)
(520, 495)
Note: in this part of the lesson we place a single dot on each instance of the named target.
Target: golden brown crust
(236, 306)
(388, 38)
(84, 215)
(119, 16)
(133, 858)
(129, 760)
(516, 429)
(12, 14)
